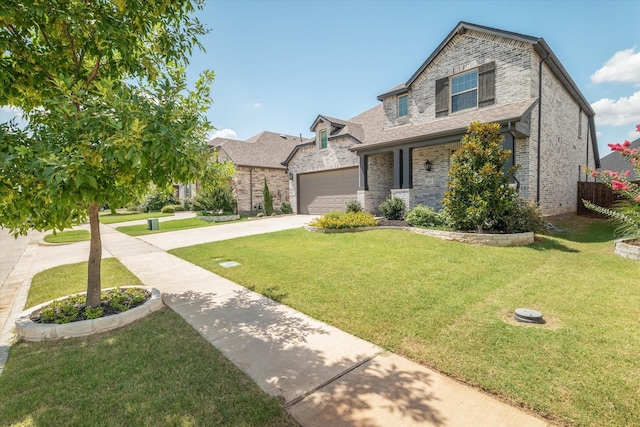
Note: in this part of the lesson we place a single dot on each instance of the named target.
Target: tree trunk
(95, 258)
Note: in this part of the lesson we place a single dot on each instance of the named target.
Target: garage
(321, 192)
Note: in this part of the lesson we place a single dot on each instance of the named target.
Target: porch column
(364, 173)
(407, 168)
(397, 168)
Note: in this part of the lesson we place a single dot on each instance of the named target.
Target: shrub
(339, 220)
(478, 193)
(393, 208)
(189, 204)
(179, 208)
(424, 216)
(268, 199)
(354, 206)
(523, 216)
(219, 199)
(168, 209)
(285, 208)
(154, 201)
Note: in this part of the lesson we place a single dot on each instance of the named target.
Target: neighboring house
(403, 146)
(615, 162)
(255, 159)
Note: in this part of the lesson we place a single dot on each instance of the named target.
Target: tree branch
(94, 73)
(72, 44)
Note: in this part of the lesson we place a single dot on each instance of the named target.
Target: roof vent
(283, 136)
(528, 315)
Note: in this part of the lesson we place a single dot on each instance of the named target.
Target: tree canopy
(103, 89)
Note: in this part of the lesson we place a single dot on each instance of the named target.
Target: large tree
(103, 90)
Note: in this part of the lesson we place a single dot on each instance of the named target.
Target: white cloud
(620, 112)
(225, 133)
(257, 105)
(624, 66)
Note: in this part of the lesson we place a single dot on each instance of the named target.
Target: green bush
(268, 199)
(523, 216)
(168, 209)
(354, 206)
(218, 200)
(190, 204)
(154, 201)
(478, 194)
(179, 208)
(424, 216)
(285, 208)
(339, 220)
(393, 208)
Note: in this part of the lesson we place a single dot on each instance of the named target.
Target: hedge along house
(403, 147)
(255, 159)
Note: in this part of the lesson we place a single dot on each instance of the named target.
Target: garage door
(321, 192)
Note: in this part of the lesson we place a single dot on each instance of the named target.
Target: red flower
(637, 199)
(617, 185)
(627, 173)
(626, 144)
(594, 174)
(637, 128)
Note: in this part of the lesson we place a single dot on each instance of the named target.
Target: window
(323, 139)
(464, 91)
(402, 106)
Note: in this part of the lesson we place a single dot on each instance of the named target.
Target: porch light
(291, 176)
(427, 165)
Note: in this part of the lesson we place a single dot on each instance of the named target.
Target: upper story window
(323, 139)
(464, 91)
(475, 88)
(402, 106)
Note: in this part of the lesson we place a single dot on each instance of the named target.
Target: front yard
(449, 306)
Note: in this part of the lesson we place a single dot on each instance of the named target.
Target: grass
(178, 224)
(157, 371)
(69, 236)
(449, 306)
(109, 218)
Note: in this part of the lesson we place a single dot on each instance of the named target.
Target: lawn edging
(627, 250)
(30, 331)
(218, 218)
(495, 239)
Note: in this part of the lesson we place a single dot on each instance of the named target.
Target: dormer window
(464, 91)
(402, 106)
(323, 139)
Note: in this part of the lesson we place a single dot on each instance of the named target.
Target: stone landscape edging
(495, 239)
(218, 218)
(30, 331)
(627, 250)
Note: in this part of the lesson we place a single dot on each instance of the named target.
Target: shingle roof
(266, 149)
(616, 163)
(376, 136)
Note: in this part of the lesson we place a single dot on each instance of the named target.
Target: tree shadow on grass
(291, 355)
(545, 243)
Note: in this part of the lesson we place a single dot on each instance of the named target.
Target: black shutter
(487, 84)
(442, 97)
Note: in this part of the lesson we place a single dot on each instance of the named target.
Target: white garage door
(321, 192)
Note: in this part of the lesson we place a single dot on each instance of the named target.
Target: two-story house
(403, 146)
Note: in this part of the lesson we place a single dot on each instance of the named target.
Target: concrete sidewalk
(326, 376)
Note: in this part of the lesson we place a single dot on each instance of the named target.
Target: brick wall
(249, 182)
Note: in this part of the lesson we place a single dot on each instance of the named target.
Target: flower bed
(31, 331)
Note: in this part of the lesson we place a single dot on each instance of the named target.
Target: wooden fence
(597, 193)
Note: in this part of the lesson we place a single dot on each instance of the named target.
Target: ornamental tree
(478, 193)
(626, 213)
(103, 91)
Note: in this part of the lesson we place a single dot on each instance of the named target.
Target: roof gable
(266, 149)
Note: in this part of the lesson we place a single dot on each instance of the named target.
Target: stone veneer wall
(314, 159)
(380, 177)
(248, 183)
(466, 52)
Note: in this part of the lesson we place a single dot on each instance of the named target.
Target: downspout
(586, 171)
(539, 127)
(251, 190)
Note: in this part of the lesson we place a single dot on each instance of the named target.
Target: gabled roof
(617, 163)
(539, 45)
(266, 149)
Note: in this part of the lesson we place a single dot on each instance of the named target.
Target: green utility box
(152, 224)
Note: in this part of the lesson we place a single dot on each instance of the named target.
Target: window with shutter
(487, 84)
(442, 97)
(464, 91)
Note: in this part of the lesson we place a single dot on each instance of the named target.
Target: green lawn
(173, 225)
(109, 218)
(68, 236)
(449, 306)
(155, 372)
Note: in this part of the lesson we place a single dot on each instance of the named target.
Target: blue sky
(279, 64)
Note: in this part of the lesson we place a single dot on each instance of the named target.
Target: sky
(279, 64)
